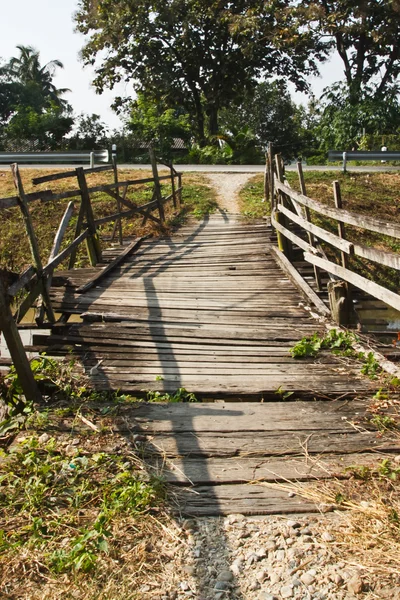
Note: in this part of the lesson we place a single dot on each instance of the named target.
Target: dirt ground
(227, 186)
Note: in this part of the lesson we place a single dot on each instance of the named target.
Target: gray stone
(293, 524)
(261, 553)
(184, 586)
(280, 555)
(307, 578)
(44, 438)
(225, 576)
(254, 585)
(221, 585)
(252, 558)
(275, 578)
(327, 537)
(296, 582)
(337, 578)
(287, 591)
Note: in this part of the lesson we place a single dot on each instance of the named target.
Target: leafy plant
(371, 367)
(181, 395)
(337, 341)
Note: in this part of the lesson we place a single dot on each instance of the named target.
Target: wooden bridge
(215, 308)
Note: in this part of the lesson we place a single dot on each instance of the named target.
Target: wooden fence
(36, 279)
(292, 215)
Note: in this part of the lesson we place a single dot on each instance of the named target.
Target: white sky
(48, 26)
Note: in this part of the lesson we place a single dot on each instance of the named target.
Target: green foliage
(384, 422)
(181, 395)
(371, 367)
(251, 199)
(385, 470)
(91, 133)
(156, 123)
(31, 107)
(45, 492)
(194, 54)
(337, 341)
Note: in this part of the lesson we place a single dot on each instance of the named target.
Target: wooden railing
(36, 279)
(292, 215)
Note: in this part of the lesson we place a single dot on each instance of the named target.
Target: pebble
(327, 537)
(225, 576)
(286, 591)
(307, 578)
(355, 584)
(44, 438)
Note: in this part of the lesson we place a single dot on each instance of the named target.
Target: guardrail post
(91, 158)
(344, 162)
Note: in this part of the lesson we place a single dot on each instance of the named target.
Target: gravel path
(264, 558)
(227, 186)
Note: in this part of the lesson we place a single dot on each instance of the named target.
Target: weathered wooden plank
(244, 499)
(217, 471)
(266, 443)
(359, 281)
(224, 417)
(96, 278)
(344, 216)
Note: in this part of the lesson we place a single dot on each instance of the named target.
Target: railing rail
(291, 216)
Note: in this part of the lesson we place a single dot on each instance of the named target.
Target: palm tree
(27, 70)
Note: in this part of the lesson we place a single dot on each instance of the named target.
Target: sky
(48, 26)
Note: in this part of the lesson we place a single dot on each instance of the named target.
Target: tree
(198, 54)
(342, 124)
(271, 115)
(91, 133)
(155, 123)
(31, 107)
(366, 35)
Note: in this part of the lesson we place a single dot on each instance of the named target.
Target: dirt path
(227, 186)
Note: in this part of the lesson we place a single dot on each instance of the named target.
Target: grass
(251, 199)
(14, 251)
(81, 514)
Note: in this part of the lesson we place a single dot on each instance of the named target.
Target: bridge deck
(207, 309)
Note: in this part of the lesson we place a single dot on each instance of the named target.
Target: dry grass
(14, 250)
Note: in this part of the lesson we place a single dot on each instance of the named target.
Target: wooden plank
(68, 174)
(382, 257)
(243, 499)
(301, 284)
(157, 188)
(344, 216)
(66, 252)
(207, 417)
(33, 243)
(319, 232)
(93, 243)
(291, 236)
(23, 280)
(359, 281)
(96, 278)
(126, 213)
(217, 471)
(267, 443)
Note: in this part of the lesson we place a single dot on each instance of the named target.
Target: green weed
(337, 341)
(181, 395)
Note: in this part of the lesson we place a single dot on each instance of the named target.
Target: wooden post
(173, 186)
(342, 233)
(93, 244)
(32, 238)
(307, 214)
(16, 348)
(266, 178)
(340, 302)
(341, 228)
(180, 200)
(157, 187)
(284, 244)
(271, 173)
(118, 222)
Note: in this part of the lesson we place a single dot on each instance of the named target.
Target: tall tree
(31, 106)
(198, 54)
(366, 36)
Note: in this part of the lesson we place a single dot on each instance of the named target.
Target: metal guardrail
(362, 155)
(54, 157)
